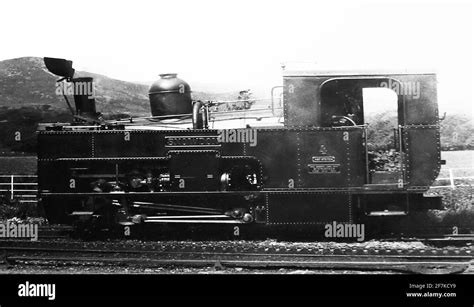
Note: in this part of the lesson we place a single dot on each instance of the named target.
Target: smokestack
(83, 88)
(84, 97)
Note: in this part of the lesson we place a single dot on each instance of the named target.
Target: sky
(231, 45)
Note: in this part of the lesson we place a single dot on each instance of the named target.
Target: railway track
(438, 239)
(55, 247)
(450, 240)
(236, 254)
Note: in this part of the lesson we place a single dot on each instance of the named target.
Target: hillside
(25, 82)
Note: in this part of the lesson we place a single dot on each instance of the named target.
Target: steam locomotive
(302, 161)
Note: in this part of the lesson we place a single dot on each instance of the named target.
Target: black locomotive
(187, 164)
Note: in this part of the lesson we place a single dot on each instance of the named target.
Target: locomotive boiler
(309, 164)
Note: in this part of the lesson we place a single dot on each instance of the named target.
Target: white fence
(452, 176)
(24, 188)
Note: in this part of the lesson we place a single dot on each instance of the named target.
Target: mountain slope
(25, 82)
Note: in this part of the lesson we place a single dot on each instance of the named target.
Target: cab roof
(362, 72)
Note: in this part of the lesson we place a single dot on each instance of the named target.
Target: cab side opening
(370, 104)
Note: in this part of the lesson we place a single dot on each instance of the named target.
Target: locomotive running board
(387, 213)
(193, 219)
(187, 216)
(196, 221)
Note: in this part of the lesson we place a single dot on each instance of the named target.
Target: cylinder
(170, 95)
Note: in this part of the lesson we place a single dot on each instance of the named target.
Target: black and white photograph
(236, 148)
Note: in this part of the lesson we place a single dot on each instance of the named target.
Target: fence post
(11, 187)
(451, 178)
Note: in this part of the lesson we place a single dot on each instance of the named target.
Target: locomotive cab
(410, 161)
